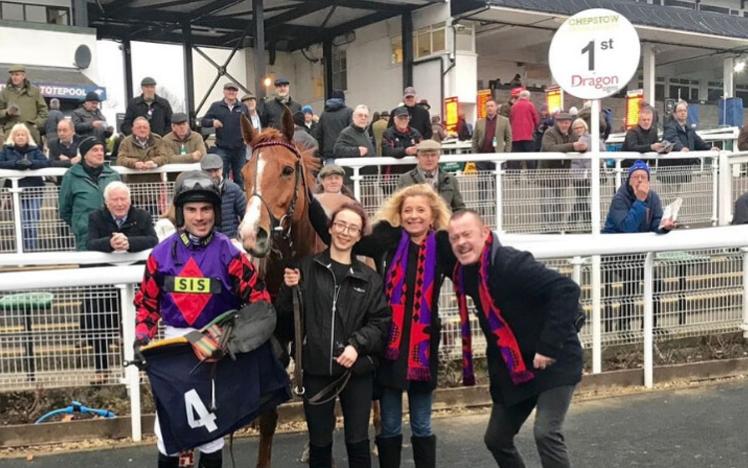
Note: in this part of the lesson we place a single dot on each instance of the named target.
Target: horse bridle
(277, 226)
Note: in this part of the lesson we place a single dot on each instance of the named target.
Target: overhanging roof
(289, 24)
(663, 24)
(63, 83)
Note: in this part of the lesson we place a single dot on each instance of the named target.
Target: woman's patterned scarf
(396, 292)
(505, 338)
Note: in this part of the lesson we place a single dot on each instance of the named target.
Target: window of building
(12, 11)
(464, 37)
(34, 13)
(715, 90)
(339, 69)
(58, 15)
(687, 90)
(397, 50)
(429, 40)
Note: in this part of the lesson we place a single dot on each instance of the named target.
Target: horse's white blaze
(249, 224)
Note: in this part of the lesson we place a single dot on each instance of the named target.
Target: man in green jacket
(82, 190)
(20, 102)
(427, 172)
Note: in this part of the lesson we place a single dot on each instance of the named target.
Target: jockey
(192, 277)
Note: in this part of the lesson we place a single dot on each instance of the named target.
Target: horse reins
(277, 227)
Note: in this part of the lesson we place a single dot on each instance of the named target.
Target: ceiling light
(739, 66)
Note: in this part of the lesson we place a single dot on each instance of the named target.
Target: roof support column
(406, 23)
(258, 32)
(127, 61)
(648, 61)
(189, 74)
(728, 70)
(327, 64)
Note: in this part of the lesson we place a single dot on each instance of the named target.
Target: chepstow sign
(594, 53)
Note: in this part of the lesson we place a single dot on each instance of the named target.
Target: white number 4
(193, 404)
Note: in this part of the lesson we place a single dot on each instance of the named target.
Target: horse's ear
(288, 125)
(248, 132)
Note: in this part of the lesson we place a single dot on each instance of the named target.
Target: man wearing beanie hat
(301, 136)
(333, 120)
(82, 190)
(88, 119)
(310, 119)
(635, 208)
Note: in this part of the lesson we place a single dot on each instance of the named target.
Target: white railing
(575, 249)
(512, 200)
(42, 217)
(713, 135)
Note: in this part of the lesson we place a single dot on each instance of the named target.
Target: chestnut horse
(276, 228)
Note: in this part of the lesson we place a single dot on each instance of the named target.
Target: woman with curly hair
(411, 249)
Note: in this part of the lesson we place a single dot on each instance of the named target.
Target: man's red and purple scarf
(505, 338)
(396, 291)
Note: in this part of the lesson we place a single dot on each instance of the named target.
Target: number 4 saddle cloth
(200, 401)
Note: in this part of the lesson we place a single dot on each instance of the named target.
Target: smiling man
(119, 226)
(527, 313)
(427, 171)
(197, 254)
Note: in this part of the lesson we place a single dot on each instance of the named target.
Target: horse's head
(275, 183)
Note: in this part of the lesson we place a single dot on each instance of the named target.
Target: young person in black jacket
(528, 314)
(410, 247)
(346, 319)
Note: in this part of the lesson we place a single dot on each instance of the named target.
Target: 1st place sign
(594, 54)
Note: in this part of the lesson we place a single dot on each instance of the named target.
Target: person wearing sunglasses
(345, 323)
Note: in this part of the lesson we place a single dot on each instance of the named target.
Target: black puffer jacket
(333, 120)
(420, 119)
(157, 112)
(335, 315)
(394, 143)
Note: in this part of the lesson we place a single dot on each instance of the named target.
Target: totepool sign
(67, 91)
(594, 54)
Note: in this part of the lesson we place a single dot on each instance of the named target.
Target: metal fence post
(15, 193)
(576, 275)
(648, 320)
(744, 325)
(715, 190)
(597, 342)
(725, 189)
(499, 197)
(618, 172)
(132, 374)
(356, 178)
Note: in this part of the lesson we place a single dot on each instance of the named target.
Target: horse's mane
(310, 162)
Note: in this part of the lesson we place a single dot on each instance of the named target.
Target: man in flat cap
(420, 119)
(184, 146)
(272, 107)
(427, 172)
(88, 119)
(20, 102)
(225, 117)
(154, 108)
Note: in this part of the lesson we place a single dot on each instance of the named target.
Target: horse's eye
(288, 170)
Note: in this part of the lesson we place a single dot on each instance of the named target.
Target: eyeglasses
(342, 227)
